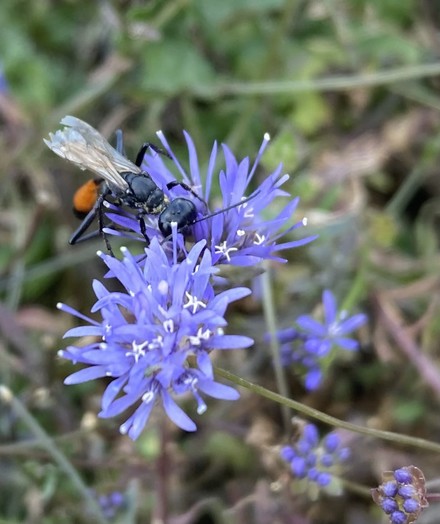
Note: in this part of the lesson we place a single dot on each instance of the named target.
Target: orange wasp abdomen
(85, 197)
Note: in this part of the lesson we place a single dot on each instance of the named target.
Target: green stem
(338, 83)
(269, 314)
(327, 419)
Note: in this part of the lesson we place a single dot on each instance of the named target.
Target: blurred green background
(349, 92)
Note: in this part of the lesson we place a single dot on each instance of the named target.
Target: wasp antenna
(237, 204)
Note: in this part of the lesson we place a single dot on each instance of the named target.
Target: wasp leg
(143, 229)
(120, 142)
(88, 236)
(143, 149)
(101, 229)
(170, 185)
(85, 224)
(96, 211)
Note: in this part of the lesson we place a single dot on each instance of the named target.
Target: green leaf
(409, 411)
(214, 12)
(173, 66)
(311, 113)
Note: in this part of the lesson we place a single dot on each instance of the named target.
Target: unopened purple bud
(310, 434)
(311, 459)
(389, 505)
(298, 466)
(313, 474)
(324, 479)
(407, 491)
(390, 488)
(398, 517)
(331, 442)
(327, 460)
(411, 506)
(304, 446)
(403, 476)
(287, 453)
(344, 454)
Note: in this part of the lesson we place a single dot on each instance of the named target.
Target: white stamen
(249, 213)
(193, 302)
(138, 350)
(259, 239)
(201, 335)
(194, 341)
(156, 343)
(222, 249)
(168, 326)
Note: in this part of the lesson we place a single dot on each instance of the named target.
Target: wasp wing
(85, 147)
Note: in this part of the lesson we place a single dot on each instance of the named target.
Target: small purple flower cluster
(309, 341)
(402, 494)
(154, 338)
(110, 504)
(314, 459)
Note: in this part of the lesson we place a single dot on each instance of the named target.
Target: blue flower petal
(176, 414)
(330, 307)
(84, 375)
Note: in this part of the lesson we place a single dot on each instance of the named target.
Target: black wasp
(119, 179)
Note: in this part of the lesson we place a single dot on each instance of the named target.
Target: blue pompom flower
(167, 312)
(237, 233)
